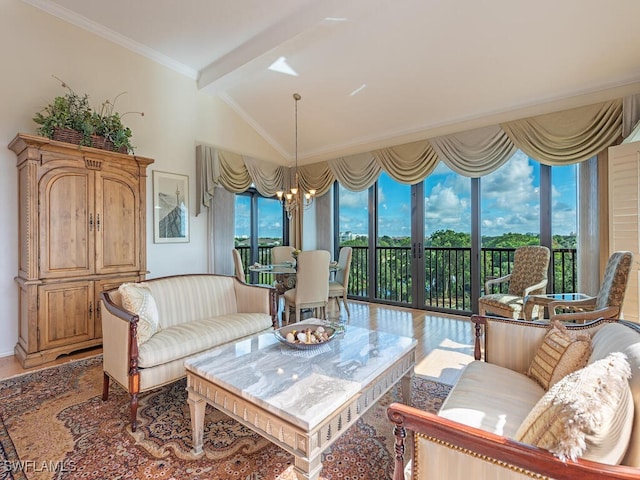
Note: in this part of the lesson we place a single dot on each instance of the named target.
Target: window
(259, 226)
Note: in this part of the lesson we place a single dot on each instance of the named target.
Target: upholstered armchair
(312, 284)
(339, 286)
(528, 277)
(608, 302)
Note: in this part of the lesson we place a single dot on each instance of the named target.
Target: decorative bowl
(281, 335)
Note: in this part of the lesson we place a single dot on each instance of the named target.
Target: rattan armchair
(608, 302)
(528, 277)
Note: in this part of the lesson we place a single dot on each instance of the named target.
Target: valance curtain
(570, 136)
(476, 152)
(559, 138)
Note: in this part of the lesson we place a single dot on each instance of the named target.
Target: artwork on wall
(170, 207)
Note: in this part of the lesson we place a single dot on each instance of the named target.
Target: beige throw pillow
(137, 299)
(588, 413)
(561, 353)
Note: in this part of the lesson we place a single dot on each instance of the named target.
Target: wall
(33, 47)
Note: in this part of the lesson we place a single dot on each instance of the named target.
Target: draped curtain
(569, 136)
(565, 137)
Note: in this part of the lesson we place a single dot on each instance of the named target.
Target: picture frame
(170, 207)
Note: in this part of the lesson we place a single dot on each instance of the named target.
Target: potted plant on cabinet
(70, 118)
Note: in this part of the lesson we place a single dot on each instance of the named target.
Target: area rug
(55, 425)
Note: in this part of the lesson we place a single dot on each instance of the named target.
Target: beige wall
(34, 46)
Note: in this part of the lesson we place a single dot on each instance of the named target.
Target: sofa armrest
(257, 299)
(466, 445)
(119, 344)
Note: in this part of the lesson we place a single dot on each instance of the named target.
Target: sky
(509, 203)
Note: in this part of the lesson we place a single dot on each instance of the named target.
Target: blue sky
(509, 203)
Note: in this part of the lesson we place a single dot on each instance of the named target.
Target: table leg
(405, 387)
(307, 469)
(197, 406)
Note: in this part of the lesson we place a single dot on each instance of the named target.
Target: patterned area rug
(55, 425)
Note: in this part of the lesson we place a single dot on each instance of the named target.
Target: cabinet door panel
(117, 231)
(66, 221)
(66, 313)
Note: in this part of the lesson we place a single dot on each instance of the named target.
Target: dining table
(284, 273)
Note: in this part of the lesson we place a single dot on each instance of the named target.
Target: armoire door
(66, 313)
(66, 223)
(117, 224)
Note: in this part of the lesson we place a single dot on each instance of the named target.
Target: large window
(353, 231)
(432, 245)
(509, 213)
(447, 243)
(564, 227)
(259, 226)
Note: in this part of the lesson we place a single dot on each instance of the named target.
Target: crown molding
(108, 34)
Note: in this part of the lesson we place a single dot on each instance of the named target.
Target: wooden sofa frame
(500, 450)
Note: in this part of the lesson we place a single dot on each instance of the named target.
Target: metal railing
(447, 273)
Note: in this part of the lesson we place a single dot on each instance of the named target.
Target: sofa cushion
(492, 398)
(189, 338)
(137, 299)
(588, 413)
(561, 353)
(193, 297)
(617, 337)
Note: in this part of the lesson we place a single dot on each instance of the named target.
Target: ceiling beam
(310, 14)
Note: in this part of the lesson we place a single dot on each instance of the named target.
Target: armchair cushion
(561, 353)
(137, 299)
(588, 414)
(477, 403)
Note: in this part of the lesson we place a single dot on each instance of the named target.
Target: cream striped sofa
(194, 313)
(472, 436)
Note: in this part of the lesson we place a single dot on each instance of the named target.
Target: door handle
(98, 222)
(91, 222)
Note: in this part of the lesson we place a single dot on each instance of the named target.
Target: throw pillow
(137, 299)
(588, 414)
(561, 353)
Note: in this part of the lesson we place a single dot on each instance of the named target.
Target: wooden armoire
(81, 229)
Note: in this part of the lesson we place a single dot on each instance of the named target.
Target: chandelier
(293, 199)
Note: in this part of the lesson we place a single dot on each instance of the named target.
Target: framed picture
(170, 207)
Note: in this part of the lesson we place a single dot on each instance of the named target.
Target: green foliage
(73, 111)
(448, 238)
(69, 111)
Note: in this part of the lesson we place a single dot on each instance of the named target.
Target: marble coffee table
(300, 400)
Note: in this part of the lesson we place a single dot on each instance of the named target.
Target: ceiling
(375, 73)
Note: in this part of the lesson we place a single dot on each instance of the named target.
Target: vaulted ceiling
(375, 73)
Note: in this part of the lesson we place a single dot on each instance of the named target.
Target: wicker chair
(528, 277)
(608, 302)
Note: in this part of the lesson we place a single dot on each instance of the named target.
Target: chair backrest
(237, 262)
(530, 265)
(282, 254)
(614, 282)
(344, 262)
(312, 276)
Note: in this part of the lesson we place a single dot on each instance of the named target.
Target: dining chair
(282, 254)
(528, 277)
(607, 303)
(340, 284)
(312, 284)
(237, 262)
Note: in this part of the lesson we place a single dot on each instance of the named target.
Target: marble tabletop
(302, 386)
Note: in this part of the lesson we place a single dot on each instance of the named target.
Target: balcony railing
(447, 273)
